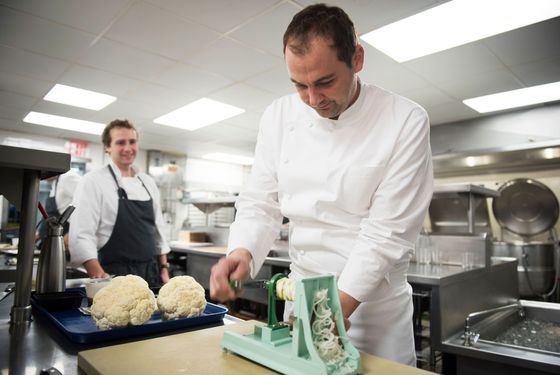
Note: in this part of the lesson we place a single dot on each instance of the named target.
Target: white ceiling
(158, 55)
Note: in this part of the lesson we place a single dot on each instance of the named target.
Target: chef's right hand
(235, 266)
(94, 269)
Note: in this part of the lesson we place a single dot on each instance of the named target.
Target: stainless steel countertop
(432, 275)
(37, 345)
(282, 261)
(438, 275)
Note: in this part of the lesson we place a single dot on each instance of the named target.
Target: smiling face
(323, 82)
(123, 148)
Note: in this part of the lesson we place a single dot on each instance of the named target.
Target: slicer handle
(271, 286)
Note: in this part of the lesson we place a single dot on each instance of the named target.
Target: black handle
(66, 215)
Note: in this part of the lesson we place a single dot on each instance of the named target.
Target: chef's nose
(315, 96)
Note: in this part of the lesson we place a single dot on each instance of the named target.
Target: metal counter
(451, 288)
(28, 348)
(439, 275)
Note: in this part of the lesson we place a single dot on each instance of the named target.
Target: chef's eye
(325, 83)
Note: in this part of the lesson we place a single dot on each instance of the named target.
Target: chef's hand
(236, 266)
(164, 275)
(94, 269)
(348, 305)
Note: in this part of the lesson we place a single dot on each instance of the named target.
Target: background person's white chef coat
(356, 191)
(96, 200)
(65, 186)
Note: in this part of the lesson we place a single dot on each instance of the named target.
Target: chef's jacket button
(291, 128)
(286, 161)
(310, 124)
(301, 252)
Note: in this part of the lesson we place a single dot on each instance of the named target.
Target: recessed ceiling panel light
(198, 114)
(515, 98)
(79, 97)
(456, 23)
(66, 123)
(229, 158)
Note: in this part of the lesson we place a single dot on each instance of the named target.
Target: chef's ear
(358, 58)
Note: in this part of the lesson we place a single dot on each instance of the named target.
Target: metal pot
(526, 207)
(535, 268)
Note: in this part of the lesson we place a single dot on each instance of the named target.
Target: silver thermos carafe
(51, 272)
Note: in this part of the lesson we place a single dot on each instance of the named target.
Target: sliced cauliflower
(181, 297)
(126, 300)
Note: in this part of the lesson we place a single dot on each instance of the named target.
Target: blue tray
(81, 328)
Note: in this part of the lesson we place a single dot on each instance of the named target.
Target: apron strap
(121, 191)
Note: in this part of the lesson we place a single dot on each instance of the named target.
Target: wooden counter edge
(172, 354)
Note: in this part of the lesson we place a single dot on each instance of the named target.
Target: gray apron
(131, 249)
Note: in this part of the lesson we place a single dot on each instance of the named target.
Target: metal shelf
(209, 205)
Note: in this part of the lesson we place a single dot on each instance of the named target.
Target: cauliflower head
(181, 297)
(126, 300)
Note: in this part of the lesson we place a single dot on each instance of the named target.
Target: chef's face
(123, 147)
(323, 82)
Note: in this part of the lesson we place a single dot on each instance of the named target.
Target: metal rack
(460, 208)
(209, 205)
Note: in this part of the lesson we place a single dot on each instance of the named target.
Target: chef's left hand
(348, 304)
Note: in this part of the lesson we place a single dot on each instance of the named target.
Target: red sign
(77, 149)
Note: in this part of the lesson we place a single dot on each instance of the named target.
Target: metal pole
(21, 310)
(470, 214)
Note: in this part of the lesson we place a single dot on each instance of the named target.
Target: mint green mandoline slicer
(273, 346)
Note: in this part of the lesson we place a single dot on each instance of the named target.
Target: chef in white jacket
(350, 165)
(117, 228)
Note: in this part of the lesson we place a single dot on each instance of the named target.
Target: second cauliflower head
(181, 297)
(127, 300)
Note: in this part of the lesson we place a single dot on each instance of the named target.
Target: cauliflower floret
(181, 297)
(125, 300)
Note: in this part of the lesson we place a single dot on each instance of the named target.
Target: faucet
(471, 337)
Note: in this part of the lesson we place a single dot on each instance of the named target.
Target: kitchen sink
(523, 339)
(537, 329)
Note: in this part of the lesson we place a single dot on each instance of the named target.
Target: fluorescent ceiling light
(456, 23)
(229, 158)
(66, 123)
(79, 97)
(515, 98)
(198, 114)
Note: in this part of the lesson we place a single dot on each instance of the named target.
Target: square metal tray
(81, 328)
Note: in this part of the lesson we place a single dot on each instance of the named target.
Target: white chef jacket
(64, 186)
(356, 191)
(97, 201)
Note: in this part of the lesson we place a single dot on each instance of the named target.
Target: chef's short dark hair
(106, 136)
(329, 22)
